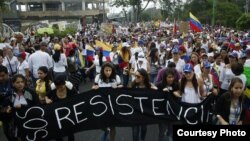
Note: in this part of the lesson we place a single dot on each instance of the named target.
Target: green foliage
(61, 34)
(243, 23)
(136, 5)
(2, 4)
(227, 14)
(150, 14)
(226, 11)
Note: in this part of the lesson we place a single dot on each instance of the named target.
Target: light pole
(103, 10)
(214, 5)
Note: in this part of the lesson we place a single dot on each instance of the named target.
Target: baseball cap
(175, 50)
(22, 55)
(206, 65)
(233, 54)
(187, 68)
(182, 48)
(141, 42)
(57, 47)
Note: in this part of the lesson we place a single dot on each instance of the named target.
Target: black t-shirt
(52, 95)
(171, 88)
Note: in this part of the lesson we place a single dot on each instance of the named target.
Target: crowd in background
(189, 66)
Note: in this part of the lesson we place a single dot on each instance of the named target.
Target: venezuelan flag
(105, 47)
(194, 23)
(90, 53)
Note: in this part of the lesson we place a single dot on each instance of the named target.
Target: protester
(60, 92)
(170, 86)
(230, 106)
(107, 78)
(191, 87)
(20, 97)
(11, 62)
(227, 74)
(5, 107)
(43, 83)
(141, 81)
(59, 62)
(37, 60)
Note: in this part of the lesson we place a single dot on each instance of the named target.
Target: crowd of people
(189, 66)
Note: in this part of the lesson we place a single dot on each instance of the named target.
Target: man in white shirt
(39, 59)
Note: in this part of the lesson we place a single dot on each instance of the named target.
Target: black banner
(107, 107)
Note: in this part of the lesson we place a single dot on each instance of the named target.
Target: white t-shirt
(20, 100)
(179, 65)
(243, 78)
(100, 82)
(114, 57)
(61, 64)
(96, 62)
(21, 67)
(37, 60)
(225, 78)
(197, 69)
(11, 64)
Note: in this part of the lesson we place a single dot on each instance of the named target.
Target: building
(59, 9)
(30, 11)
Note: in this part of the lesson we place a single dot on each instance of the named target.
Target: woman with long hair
(191, 87)
(154, 63)
(43, 83)
(195, 62)
(207, 78)
(169, 85)
(107, 78)
(19, 98)
(230, 106)
(99, 59)
(141, 81)
(123, 59)
(59, 62)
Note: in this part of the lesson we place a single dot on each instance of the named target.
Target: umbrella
(46, 29)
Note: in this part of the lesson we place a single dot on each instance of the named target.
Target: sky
(150, 5)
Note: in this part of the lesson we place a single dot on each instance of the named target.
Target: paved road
(122, 134)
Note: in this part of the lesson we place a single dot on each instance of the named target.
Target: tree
(136, 6)
(226, 12)
(2, 9)
(171, 8)
(243, 23)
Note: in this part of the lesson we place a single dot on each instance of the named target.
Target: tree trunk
(1, 22)
(133, 14)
